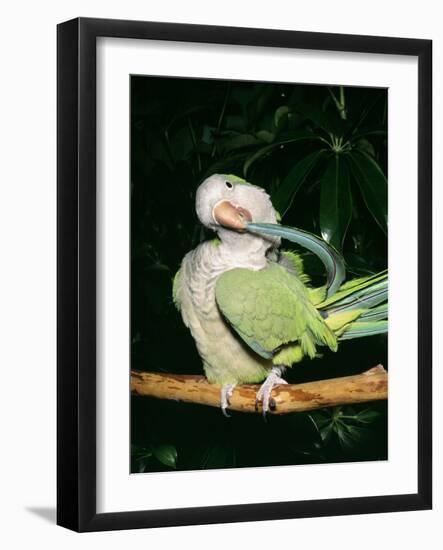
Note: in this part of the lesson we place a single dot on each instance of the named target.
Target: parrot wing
(270, 308)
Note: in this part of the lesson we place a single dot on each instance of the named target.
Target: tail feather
(359, 307)
(356, 288)
(353, 283)
(376, 313)
(364, 299)
(359, 329)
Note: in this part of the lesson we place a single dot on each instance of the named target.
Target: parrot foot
(225, 395)
(264, 393)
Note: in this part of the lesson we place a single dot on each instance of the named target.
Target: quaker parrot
(249, 305)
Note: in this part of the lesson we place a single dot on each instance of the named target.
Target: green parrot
(249, 305)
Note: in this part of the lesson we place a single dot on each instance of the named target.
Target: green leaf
(366, 146)
(235, 122)
(208, 134)
(367, 416)
(326, 432)
(166, 454)
(320, 419)
(335, 202)
(350, 436)
(142, 464)
(181, 144)
(237, 141)
(226, 164)
(345, 439)
(367, 108)
(286, 191)
(241, 95)
(355, 137)
(281, 114)
(328, 121)
(265, 135)
(265, 151)
(218, 456)
(141, 452)
(373, 185)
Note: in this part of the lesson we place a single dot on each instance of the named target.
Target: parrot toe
(225, 395)
(264, 393)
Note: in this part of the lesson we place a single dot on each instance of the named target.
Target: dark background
(283, 137)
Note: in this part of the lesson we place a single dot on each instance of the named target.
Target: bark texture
(371, 385)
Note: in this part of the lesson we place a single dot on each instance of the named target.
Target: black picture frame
(76, 280)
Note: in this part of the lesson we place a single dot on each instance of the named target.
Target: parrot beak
(228, 215)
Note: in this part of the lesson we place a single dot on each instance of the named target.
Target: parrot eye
(229, 185)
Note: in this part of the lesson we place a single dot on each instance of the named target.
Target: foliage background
(321, 152)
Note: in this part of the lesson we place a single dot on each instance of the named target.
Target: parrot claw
(264, 393)
(225, 396)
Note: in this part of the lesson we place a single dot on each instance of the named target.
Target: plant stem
(340, 104)
(194, 143)
(343, 113)
(220, 118)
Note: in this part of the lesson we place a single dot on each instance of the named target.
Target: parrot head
(229, 202)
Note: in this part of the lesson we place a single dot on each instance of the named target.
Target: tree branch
(371, 385)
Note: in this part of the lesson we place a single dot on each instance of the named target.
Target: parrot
(248, 303)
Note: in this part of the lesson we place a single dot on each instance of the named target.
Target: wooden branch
(371, 385)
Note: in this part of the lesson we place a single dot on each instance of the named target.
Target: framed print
(244, 259)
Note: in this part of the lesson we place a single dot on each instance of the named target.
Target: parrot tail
(359, 307)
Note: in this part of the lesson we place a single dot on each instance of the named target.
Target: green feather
(376, 314)
(358, 288)
(356, 302)
(288, 355)
(362, 329)
(271, 308)
(294, 264)
(331, 258)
